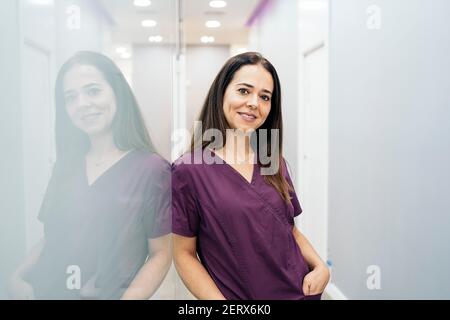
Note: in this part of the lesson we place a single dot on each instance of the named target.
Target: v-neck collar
(115, 164)
(254, 172)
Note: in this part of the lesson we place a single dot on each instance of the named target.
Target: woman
(239, 222)
(106, 213)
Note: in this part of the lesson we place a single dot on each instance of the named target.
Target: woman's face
(248, 98)
(89, 100)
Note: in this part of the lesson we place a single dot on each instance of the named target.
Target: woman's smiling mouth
(247, 116)
(91, 116)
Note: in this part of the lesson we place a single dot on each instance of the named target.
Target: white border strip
(332, 292)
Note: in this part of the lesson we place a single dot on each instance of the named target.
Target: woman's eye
(265, 98)
(243, 91)
(69, 99)
(93, 92)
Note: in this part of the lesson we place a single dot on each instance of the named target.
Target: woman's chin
(246, 129)
(93, 131)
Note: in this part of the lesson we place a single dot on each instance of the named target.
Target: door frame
(309, 44)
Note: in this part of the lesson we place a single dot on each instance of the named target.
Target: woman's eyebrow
(93, 84)
(87, 86)
(69, 92)
(252, 87)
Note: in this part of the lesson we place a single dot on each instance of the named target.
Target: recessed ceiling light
(142, 3)
(121, 50)
(207, 39)
(213, 24)
(149, 23)
(217, 4)
(155, 39)
(126, 55)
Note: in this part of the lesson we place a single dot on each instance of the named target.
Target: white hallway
(366, 109)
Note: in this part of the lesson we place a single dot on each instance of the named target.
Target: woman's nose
(84, 101)
(253, 101)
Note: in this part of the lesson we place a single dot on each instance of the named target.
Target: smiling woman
(234, 232)
(89, 99)
(247, 100)
(106, 213)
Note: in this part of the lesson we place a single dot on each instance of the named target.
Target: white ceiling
(128, 29)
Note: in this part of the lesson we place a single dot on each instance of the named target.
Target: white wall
(93, 32)
(12, 226)
(152, 85)
(389, 154)
(203, 63)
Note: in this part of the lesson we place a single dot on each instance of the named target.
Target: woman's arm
(19, 288)
(192, 272)
(314, 282)
(153, 272)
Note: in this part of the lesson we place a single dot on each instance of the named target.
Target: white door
(314, 148)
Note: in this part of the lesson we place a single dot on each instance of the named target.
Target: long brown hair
(212, 115)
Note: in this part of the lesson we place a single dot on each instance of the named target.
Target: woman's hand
(315, 282)
(20, 289)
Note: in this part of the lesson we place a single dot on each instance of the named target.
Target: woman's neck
(238, 149)
(102, 144)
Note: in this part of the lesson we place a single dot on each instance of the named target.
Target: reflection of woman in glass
(106, 213)
(239, 222)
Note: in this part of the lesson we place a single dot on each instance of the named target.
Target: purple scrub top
(243, 230)
(104, 228)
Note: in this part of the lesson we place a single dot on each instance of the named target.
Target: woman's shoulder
(183, 163)
(285, 167)
(183, 160)
(190, 163)
(151, 161)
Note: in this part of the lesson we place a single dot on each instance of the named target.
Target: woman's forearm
(153, 272)
(30, 260)
(149, 277)
(18, 288)
(192, 272)
(196, 278)
(311, 256)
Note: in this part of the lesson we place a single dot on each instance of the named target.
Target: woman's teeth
(247, 117)
(91, 116)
